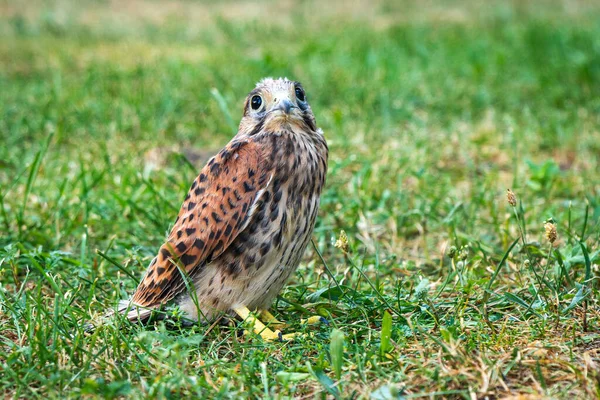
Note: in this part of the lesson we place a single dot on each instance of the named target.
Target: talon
(292, 336)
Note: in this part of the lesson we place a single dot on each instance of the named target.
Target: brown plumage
(248, 216)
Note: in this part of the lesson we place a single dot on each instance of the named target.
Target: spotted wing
(217, 208)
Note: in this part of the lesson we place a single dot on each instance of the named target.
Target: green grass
(431, 113)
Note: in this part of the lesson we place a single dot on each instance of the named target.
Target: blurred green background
(432, 109)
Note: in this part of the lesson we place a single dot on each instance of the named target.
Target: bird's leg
(270, 320)
(273, 322)
(314, 320)
(266, 333)
(258, 327)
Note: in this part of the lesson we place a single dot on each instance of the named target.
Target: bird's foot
(314, 320)
(259, 328)
(271, 321)
(268, 334)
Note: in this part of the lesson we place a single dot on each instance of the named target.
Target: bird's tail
(133, 312)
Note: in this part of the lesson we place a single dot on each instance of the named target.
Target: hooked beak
(284, 105)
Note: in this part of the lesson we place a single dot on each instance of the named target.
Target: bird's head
(277, 105)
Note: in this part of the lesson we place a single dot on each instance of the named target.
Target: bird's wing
(217, 208)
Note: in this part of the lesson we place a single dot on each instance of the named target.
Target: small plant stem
(544, 274)
(521, 228)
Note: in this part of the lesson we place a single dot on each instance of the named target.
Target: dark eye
(299, 94)
(256, 102)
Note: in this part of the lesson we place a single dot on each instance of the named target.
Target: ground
(432, 110)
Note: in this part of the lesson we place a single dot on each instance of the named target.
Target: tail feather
(134, 312)
(130, 310)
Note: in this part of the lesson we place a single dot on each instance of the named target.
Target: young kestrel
(248, 216)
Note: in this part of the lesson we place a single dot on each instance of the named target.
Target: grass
(442, 288)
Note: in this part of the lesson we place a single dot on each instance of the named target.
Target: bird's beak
(284, 105)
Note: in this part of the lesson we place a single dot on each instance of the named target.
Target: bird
(247, 218)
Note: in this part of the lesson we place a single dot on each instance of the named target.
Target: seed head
(452, 251)
(551, 234)
(342, 242)
(512, 199)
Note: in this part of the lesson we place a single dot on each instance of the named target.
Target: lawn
(432, 110)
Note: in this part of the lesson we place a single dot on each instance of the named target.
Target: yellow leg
(258, 327)
(268, 334)
(314, 320)
(292, 336)
(270, 320)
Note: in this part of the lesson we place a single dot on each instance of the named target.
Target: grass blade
(224, 109)
(116, 264)
(588, 262)
(324, 380)
(386, 333)
(336, 350)
(34, 169)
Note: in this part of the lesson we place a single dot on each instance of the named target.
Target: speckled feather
(248, 216)
(217, 207)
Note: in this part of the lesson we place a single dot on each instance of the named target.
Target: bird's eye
(299, 94)
(256, 102)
